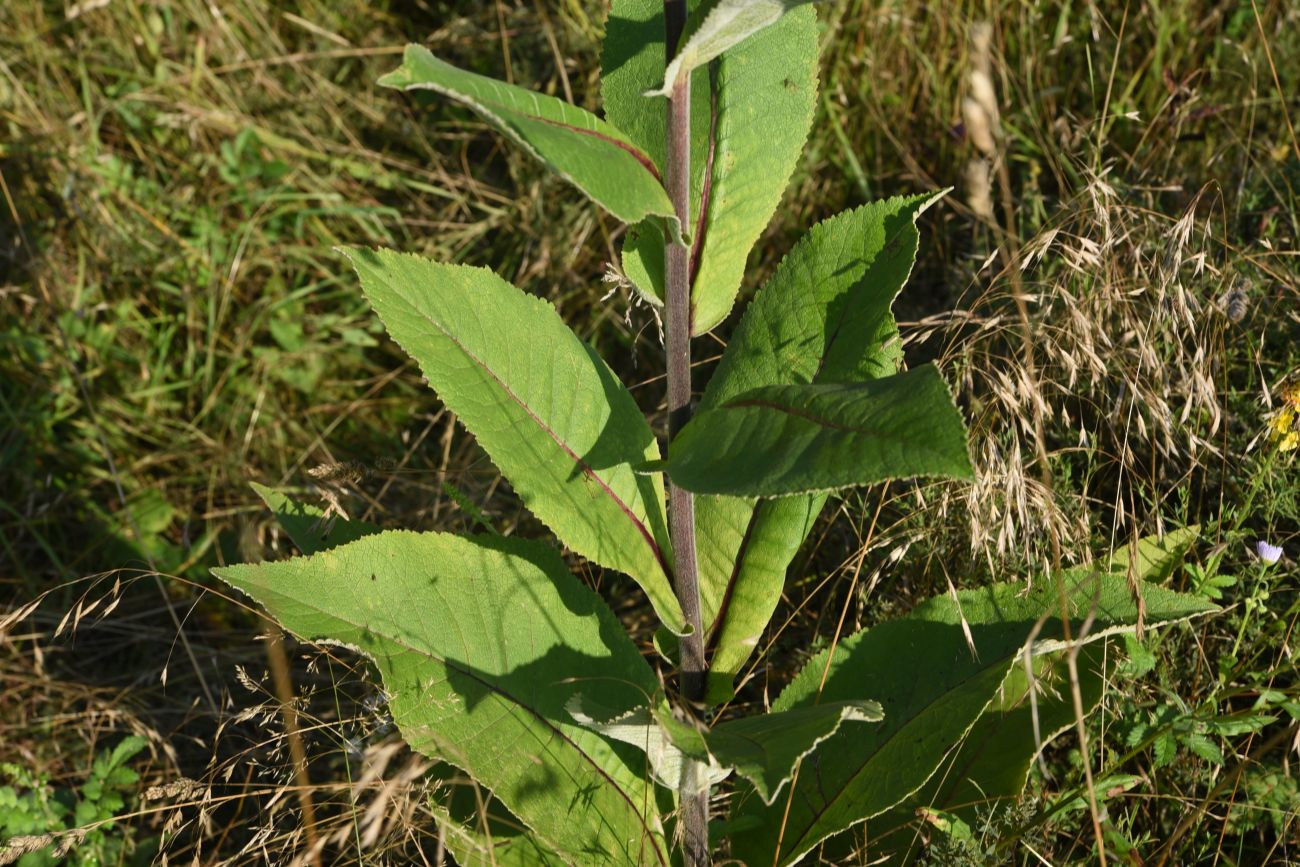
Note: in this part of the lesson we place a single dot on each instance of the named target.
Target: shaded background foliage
(175, 324)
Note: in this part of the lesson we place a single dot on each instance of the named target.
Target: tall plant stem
(681, 504)
(677, 269)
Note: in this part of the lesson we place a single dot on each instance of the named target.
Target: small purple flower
(1268, 553)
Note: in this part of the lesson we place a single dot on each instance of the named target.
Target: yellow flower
(1290, 392)
(1285, 423)
(1285, 429)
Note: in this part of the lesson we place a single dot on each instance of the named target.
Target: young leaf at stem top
(575, 144)
(718, 26)
(750, 117)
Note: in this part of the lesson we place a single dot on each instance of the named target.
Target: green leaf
(992, 761)
(1157, 557)
(722, 25)
(574, 143)
(1204, 747)
(823, 317)
(126, 749)
(1241, 724)
(743, 549)
(797, 439)
(765, 749)
(1104, 789)
(933, 690)
(551, 414)
(749, 122)
(474, 847)
(477, 641)
(308, 526)
(1163, 749)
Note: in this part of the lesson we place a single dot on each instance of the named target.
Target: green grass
(175, 323)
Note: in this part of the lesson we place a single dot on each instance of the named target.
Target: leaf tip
(863, 711)
(401, 77)
(648, 468)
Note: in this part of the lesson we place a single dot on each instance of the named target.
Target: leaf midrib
(706, 192)
(742, 403)
(585, 468)
(817, 814)
(865, 432)
(639, 155)
(498, 109)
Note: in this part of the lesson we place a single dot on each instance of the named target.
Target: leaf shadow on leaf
(649, 35)
(540, 690)
(543, 685)
(845, 310)
(560, 662)
(611, 448)
(491, 830)
(858, 320)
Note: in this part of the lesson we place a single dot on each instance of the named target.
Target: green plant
(33, 813)
(500, 662)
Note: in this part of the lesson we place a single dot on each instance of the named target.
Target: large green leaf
(478, 641)
(992, 762)
(552, 415)
(823, 317)
(574, 143)
(933, 689)
(743, 550)
(308, 526)
(749, 122)
(798, 439)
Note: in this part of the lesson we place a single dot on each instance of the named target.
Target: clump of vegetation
(41, 826)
